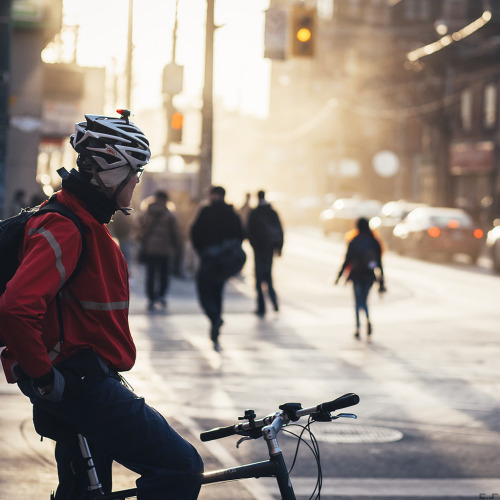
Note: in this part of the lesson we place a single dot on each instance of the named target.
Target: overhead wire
(399, 112)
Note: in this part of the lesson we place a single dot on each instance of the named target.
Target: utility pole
(130, 49)
(205, 174)
(172, 85)
(5, 37)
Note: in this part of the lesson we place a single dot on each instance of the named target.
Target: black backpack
(224, 260)
(11, 238)
(365, 255)
(272, 232)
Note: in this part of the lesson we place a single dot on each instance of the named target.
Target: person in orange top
(349, 236)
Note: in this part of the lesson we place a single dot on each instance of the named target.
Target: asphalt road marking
(349, 433)
(399, 488)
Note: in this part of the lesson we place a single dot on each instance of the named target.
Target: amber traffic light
(303, 31)
(176, 124)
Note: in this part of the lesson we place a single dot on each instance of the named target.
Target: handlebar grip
(218, 433)
(344, 401)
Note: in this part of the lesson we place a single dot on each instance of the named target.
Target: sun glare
(95, 34)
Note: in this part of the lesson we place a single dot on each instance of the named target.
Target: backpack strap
(54, 206)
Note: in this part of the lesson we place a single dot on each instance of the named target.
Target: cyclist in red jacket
(66, 344)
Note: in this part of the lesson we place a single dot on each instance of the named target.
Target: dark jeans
(361, 291)
(157, 277)
(210, 289)
(120, 426)
(263, 274)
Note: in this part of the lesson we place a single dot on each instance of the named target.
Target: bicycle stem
(270, 432)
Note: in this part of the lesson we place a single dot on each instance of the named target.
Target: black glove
(50, 386)
(45, 383)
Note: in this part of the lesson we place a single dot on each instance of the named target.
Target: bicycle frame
(274, 467)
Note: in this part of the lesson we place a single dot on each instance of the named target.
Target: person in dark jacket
(160, 240)
(66, 342)
(363, 258)
(215, 223)
(265, 234)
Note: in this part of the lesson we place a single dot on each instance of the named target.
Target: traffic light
(303, 31)
(176, 124)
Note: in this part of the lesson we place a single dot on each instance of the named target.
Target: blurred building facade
(416, 78)
(45, 101)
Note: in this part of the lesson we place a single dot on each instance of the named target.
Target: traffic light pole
(5, 37)
(170, 89)
(205, 174)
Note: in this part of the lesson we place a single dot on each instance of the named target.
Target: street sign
(173, 79)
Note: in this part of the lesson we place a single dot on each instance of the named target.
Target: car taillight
(478, 233)
(433, 232)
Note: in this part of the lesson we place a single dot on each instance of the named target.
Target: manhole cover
(346, 433)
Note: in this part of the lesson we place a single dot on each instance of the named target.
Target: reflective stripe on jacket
(94, 305)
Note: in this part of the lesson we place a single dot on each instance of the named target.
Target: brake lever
(345, 415)
(241, 441)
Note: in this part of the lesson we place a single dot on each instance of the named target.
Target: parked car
(391, 214)
(493, 247)
(438, 230)
(342, 215)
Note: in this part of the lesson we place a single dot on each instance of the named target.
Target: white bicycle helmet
(111, 143)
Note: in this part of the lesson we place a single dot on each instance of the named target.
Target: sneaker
(356, 335)
(260, 314)
(369, 329)
(216, 346)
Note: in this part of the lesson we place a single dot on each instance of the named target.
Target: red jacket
(94, 306)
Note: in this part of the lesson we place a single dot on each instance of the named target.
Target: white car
(493, 247)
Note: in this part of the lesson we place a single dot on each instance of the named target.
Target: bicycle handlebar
(337, 404)
(221, 432)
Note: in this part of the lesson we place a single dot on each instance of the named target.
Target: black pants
(263, 275)
(118, 426)
(157, 278)
(210, 289)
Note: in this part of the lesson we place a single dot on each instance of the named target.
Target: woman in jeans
(363, 258)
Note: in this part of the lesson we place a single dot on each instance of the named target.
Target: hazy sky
(241, 73)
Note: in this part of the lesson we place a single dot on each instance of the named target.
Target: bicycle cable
(313, 447)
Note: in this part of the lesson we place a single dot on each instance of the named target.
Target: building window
(417, 10)
(325, 9)
(410, 11)
(354, 8)
(454, 10)
(425, 10)
(466, 110)
(490, 102)
(376, 12)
